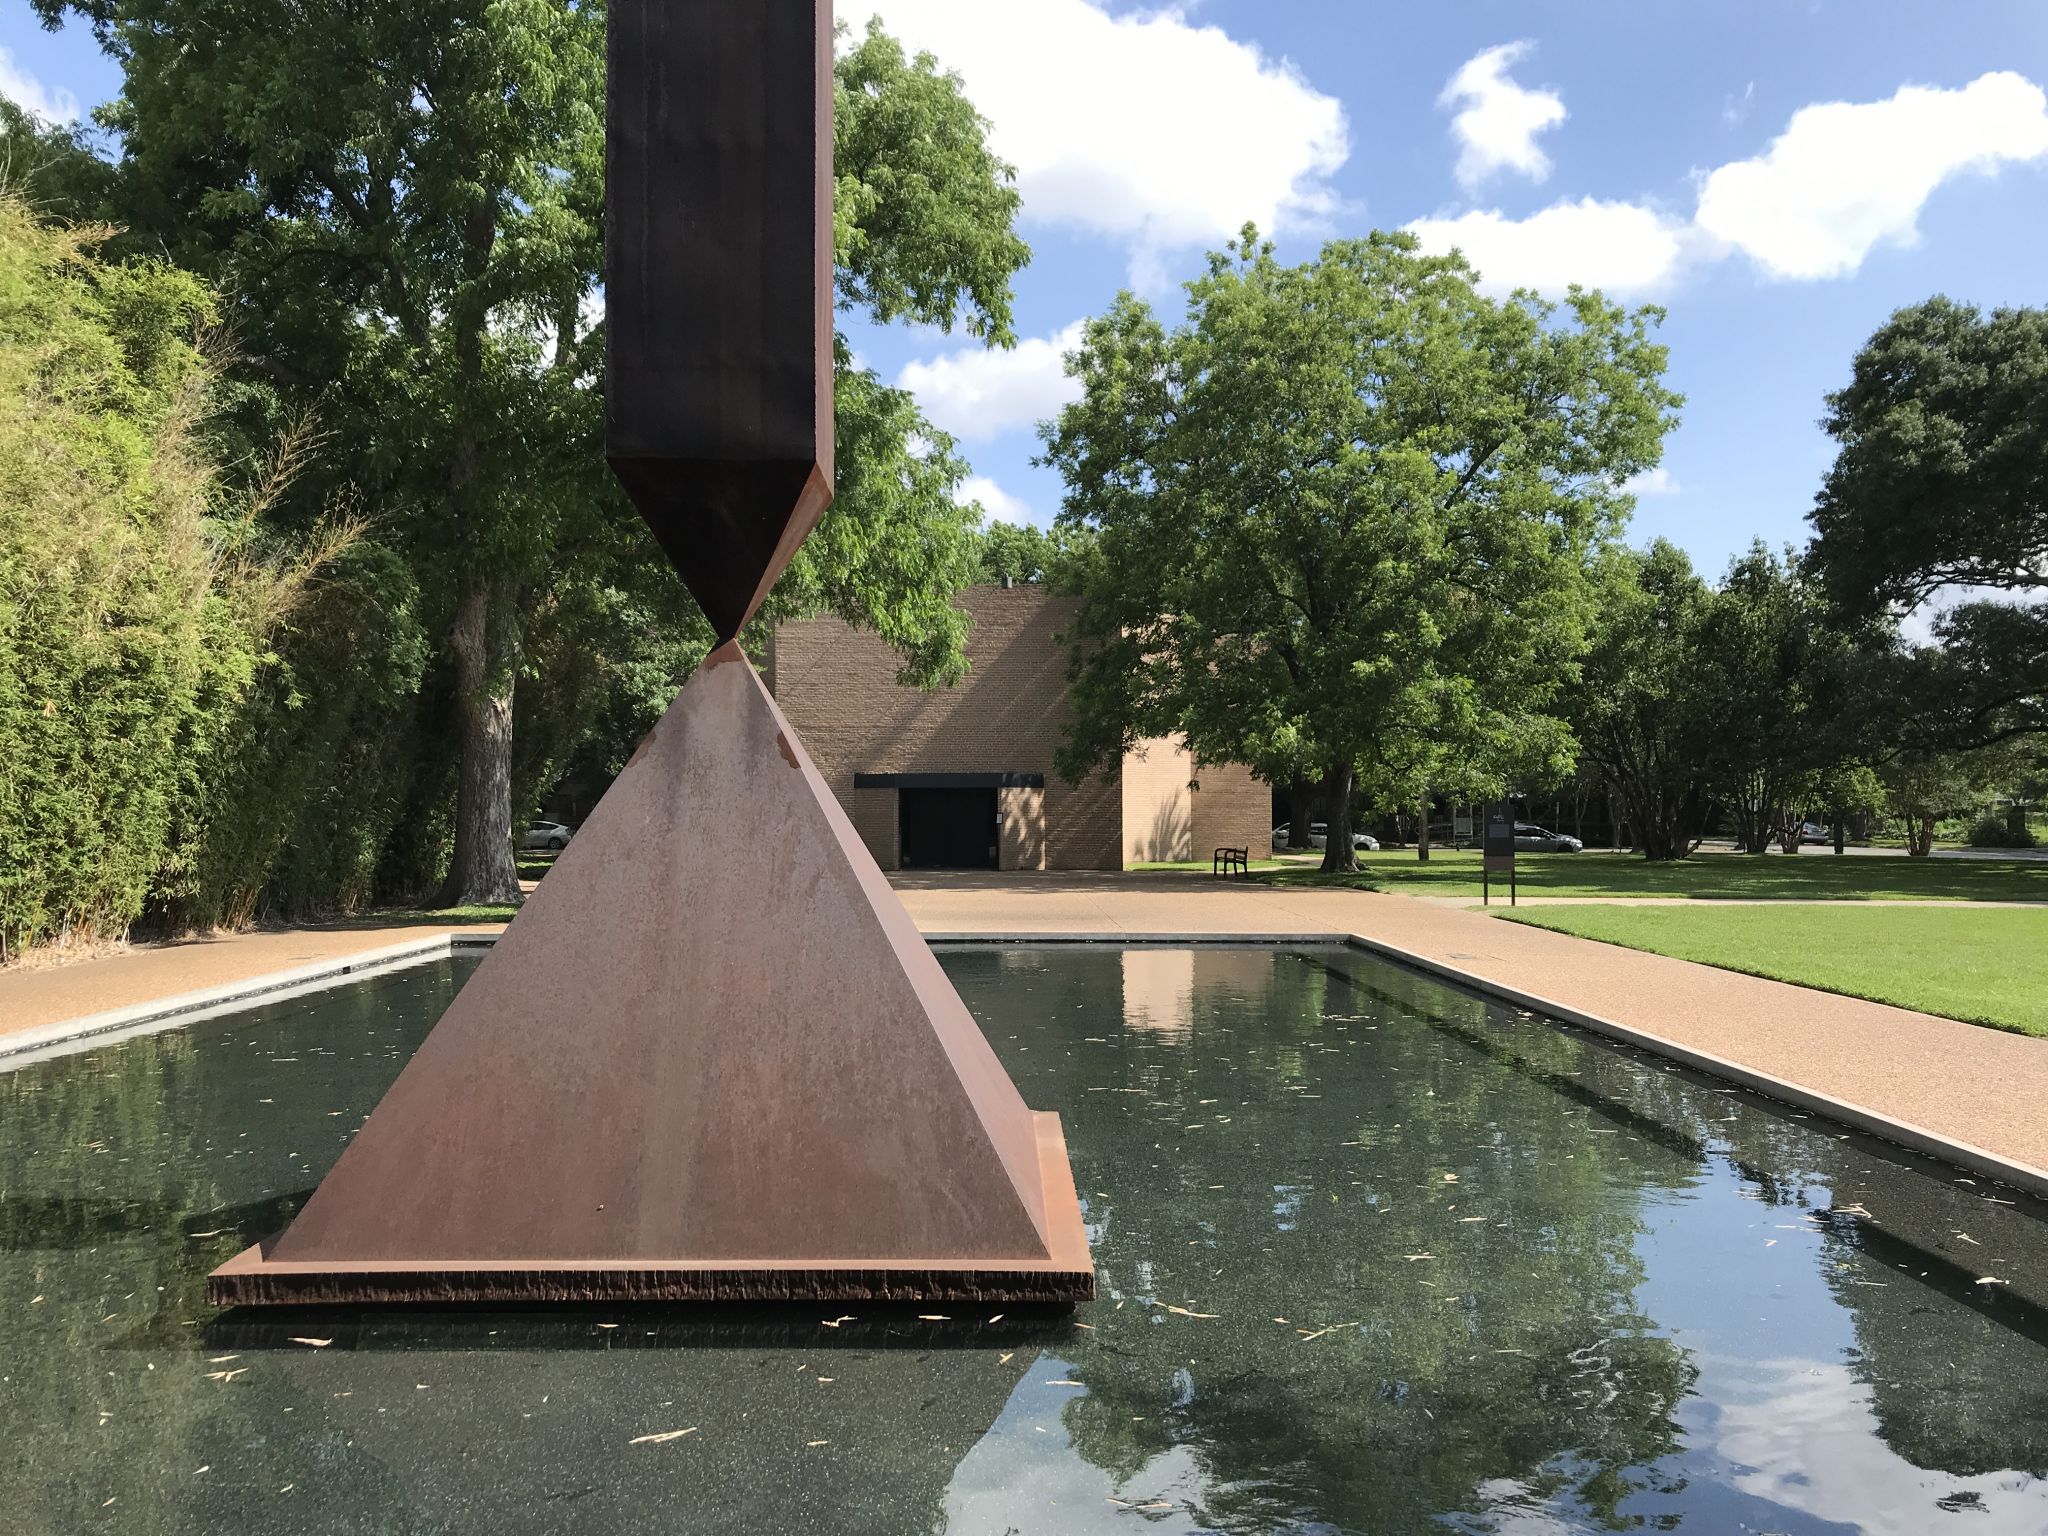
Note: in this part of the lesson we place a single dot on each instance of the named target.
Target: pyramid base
(253, 1279)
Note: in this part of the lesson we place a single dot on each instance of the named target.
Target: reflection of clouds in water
(1803, 1435)
(1024, 1477)
(1513, 1509)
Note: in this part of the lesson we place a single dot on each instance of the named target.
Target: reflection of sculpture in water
(859, 1428)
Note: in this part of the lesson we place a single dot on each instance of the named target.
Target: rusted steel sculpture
(712, 1058)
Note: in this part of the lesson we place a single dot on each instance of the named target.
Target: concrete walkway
(36, 995)
(1957, 1082)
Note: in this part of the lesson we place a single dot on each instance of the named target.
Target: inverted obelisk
(712, 1058)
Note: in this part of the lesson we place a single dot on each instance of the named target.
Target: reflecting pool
(1375, 1255)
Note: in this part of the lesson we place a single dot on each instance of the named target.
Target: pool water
(1375, 1256)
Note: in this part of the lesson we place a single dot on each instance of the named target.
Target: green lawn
(1705, 876)
(1982, 966)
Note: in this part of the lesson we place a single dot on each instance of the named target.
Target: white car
(1319, 837)
(545, 837)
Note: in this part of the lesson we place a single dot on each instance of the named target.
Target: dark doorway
(948, 828)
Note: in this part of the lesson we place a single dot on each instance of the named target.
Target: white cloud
(1845, 177)
(1623, 248)
(995, 501)
(1735, 110)
(977, 393)
(1498, 120)
(1841, 179)
(30, 94)
(1145, 128)
(1651, 482)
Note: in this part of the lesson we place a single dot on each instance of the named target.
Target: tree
(1781, 671)
(1921, 788)
(53, 167)
(1641, 716)
(137, 599)
(1334, 491)
(1016, 552)
(403, 205)
(1937, 487)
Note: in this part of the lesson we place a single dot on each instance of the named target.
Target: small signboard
(1498, 855)
(1461, 826)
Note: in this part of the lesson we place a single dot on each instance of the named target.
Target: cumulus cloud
(1842, 179)
(993, 499)
(1845, 177)
(1651, 482)
(1623, 248)
(976, 394)
(1497, 120)
(32, 96)
(1145, 128)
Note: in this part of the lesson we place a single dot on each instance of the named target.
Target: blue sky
(1780, 174)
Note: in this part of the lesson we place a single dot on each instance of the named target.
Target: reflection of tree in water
(1347, 1149)
(1957, 1373)
(126, 1174)
(1954, 1368)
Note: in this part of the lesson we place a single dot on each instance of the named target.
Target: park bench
(1231, 861)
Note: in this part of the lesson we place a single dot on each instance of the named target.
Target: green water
(1375, 1256)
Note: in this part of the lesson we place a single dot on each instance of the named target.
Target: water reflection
(1375, 1257)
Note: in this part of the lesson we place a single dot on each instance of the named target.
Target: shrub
(136, 602)
(1992, 832)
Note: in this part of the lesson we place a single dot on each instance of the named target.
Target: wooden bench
(1231, 861)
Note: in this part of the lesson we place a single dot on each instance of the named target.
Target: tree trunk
(1422, 832)
(1339, 857)
(1300, 812)
(485, 641)
(2016, 821)
(1920, 836)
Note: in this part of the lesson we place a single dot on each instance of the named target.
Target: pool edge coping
(88, 1031)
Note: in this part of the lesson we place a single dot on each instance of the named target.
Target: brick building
(963, 777)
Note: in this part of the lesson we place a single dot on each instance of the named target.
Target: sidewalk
(1974, 1086)
(44, 994)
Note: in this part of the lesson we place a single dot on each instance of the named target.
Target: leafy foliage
(1344, 514)
(399, 211)
(1639, 717)
(1937, 487)
(136, 596)
(1786, 683)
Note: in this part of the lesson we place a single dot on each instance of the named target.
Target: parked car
(1814, 832)
(1530, 838)
(1319, 837)
(545, 836)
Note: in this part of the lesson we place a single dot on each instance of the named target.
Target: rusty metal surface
(718, 285)
(712, 1058)
(713, 1043)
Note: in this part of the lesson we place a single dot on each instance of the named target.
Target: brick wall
(1158, 824)
(1231, 810)
(838, 687)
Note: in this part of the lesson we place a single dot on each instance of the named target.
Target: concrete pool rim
(90, 1031)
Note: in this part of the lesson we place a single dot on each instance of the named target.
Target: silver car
(1319, 837)
(1530, 838)
(545, 837)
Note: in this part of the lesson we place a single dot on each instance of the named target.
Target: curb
(96, 1029)
(1903, 1133)
(92, 1030)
